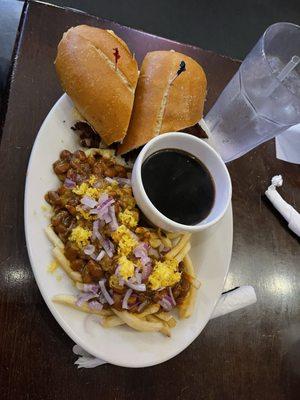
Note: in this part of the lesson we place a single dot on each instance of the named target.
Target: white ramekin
(207, 155)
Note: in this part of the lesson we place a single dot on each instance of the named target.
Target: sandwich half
(170, 96)
(99, 73)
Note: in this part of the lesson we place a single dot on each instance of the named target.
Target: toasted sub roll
(162, 102)
(101, 89)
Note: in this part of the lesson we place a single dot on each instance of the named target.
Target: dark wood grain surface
(250, 354)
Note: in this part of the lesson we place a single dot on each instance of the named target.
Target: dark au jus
(178, 185)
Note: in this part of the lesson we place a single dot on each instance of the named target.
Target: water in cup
(263, 98)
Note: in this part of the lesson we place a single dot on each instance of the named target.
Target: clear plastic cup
(263, 98)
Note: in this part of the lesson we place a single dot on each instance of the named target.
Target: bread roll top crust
(102, 91)
(162, 103)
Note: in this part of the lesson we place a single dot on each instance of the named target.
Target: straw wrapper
(286, 210)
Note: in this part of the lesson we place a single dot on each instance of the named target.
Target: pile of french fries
(152, 319)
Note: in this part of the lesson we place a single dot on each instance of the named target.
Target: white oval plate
(211, 253)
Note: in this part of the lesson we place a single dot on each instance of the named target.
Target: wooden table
(250, 354)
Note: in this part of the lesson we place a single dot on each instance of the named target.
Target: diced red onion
(107, 203)
(96, 234)
(146, 272)
(126, 298)
(142, 305)
(138, 276)
(123, 181)
(90, 287)
(102, 299)
(79, 178)
(117, 273)
(107, 217)
(85, 297)
(153, 252)
(108, 247)
(106, 243)
(172, 297)
(114, 223)
(139, 287)
(161, 247)
(110, 180)
(89, 249)
(102, 198)
(95, 305)
(69, 183)
(100, 255)
(105, 293)
(93, 256)
(121, 282)
(141, 252)
(165, 303)
(102, 209)
(134, 236)
(166, 249)
(88, 201)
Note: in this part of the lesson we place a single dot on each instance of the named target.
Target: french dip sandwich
(170, 96)
(99, 73)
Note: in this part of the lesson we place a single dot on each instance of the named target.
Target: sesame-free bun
(102, 93)
(162, 104)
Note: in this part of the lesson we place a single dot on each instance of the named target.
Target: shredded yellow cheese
(125, 240)
(80, 236)
(129, 218)
(126, 267)
(92, 180)
(164, 274)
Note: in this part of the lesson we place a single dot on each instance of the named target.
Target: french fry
(188, 265)
(164, 239)
(173, 235)
(165, 316)
(189, 270)
(168, 318)
(79, 285)
(183, 252)
(53, 237)
(172, 322)
(137, 323)
(70, 301)
(193, 280)
(186, 308)
(155, 242)
(165, 327)
(65, 264)
(183, 241)
(112, 321)
(151, 309)
(166, 242)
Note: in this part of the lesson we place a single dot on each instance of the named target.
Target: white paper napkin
(234, 300)
(230, 301)
(286, 210)
(288, 145)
